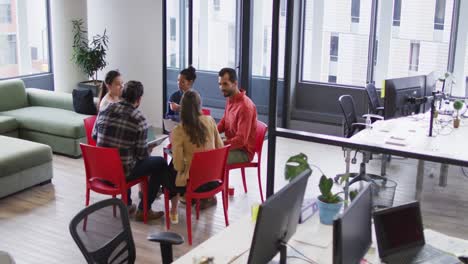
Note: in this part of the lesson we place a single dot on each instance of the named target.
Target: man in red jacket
(239, 122)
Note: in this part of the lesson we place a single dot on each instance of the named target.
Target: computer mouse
(463, 259)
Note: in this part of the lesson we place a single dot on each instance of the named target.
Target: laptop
(400, 237)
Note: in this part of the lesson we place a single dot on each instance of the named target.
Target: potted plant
(89, 56)
(329, 204)
(457, 105)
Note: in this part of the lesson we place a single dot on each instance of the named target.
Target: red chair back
(208, 166)
(89, 125)
(103, 164)
(206, 111)
(260, 137)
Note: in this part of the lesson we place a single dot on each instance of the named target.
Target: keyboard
(425, 254)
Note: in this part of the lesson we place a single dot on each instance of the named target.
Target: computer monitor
(277, 220)
(398, 228)
(352, 235)
(397, 93)
(431, 86)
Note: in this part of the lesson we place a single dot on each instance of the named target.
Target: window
(412, 47)
(5, 12)
(173, 29)
(173, 43)
(331, 78)
(261, 37)
(33, 53)
(439, 15)
(8, 54)
(334, 47)
(32, 56)
(283, 8)
(173, 61)
(396, 12)
(327, 28)
(355, 9)
(414, 56)
(216, 5)
(214, 35)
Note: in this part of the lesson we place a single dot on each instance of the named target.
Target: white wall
(66, 74)
(135, 46)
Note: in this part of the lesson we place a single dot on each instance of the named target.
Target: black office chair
(374, 102)
(107, 237)
(351, 127)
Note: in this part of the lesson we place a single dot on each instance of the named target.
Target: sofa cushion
(17, 155)
(7, 124)
(12, 95)
(49, 120)
(39, 97)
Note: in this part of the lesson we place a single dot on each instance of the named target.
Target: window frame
(355, 16)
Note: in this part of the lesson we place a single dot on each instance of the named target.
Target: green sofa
(41, 116)
(23, 164)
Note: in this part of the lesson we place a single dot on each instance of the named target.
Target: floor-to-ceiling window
(413, 39)
(24, 45)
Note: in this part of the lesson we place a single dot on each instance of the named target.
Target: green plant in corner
(90, 57)
(325, 186)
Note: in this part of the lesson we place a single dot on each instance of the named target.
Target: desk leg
(419, 179)
(443, 175)
(383, 168)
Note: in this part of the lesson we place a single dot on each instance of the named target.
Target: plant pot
(456, 122)
(327, 211)
(90, 85)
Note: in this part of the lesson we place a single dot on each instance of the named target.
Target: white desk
(312, 239)
(411, 134)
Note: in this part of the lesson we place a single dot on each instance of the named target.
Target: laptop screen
(398, 228)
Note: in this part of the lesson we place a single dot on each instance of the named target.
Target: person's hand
(174, 107)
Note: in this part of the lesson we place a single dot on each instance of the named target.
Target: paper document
(156, 142)
(169, 124)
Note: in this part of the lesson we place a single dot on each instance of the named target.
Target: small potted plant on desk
(329, 204)
(457, 105)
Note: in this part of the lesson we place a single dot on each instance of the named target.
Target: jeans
(156, 169)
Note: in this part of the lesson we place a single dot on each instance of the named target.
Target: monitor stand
(283, 252)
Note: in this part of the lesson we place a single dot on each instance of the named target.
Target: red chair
(105, 175)
(88, 126)
(168, 147)
(260, 137)
(207, 166)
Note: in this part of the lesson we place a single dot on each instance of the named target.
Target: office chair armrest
(166, 238)
(358, 125)
(376, 117)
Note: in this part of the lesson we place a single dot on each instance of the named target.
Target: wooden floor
(34, 223)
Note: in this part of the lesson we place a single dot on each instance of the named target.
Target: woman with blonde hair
(196, 132)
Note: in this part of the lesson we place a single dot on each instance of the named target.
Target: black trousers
(154, 167)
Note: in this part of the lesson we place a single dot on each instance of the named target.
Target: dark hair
(190, 117)
(110, 76)
(132, 91)
(189, 73)
(231, 72)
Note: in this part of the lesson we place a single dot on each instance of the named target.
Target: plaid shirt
(124, 127)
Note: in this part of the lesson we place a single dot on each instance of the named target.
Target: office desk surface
(312, 239)
(411, 134)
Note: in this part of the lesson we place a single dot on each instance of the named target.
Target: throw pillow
(83, 102)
